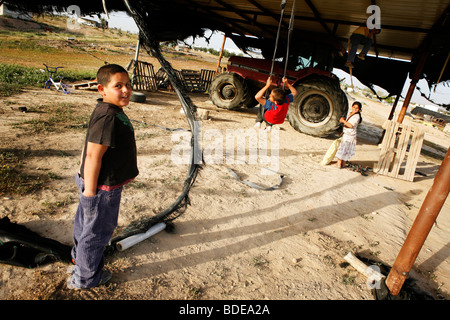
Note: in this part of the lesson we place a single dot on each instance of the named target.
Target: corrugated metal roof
(405, 24)
(409, 28)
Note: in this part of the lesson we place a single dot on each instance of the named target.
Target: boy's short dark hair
(279, 95)
(105, 72)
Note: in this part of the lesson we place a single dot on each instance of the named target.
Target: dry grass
(48, 42)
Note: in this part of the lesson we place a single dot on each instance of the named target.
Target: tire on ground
(230, 91)
(137, 97)
(317, 108)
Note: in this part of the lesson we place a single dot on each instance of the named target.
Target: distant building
(92, 23)
(431, 116)
(182, 47)
(4, 11)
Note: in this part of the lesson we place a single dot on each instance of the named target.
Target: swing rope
(283, 5)
(291, 28)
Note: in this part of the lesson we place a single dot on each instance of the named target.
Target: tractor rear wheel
(318, 106)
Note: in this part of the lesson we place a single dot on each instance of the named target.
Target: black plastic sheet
(22, 247)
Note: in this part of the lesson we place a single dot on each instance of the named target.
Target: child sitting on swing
(274, 110)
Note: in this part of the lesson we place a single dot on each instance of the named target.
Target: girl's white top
(354, 120)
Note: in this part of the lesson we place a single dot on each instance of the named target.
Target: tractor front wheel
(229, 91)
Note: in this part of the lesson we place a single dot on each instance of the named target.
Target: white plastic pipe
(131, 241)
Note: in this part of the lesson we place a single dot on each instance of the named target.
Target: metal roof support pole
(391, 115)
(221, 52)
(421, 227)
(412, 86)
(136, 58)
(394, 106)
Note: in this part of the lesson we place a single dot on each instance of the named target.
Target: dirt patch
(233, 241)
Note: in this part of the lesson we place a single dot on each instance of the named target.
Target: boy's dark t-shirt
(110, 126)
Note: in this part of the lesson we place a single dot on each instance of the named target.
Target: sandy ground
(233, 241)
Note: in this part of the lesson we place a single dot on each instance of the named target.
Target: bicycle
(60, 86)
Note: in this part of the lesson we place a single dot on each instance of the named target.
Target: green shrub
(17, 75)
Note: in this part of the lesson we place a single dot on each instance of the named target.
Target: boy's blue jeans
(260, 116)
(95, 221)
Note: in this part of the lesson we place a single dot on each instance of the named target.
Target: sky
(123, 21)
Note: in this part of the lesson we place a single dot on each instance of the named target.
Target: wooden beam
(325, 20)
(318, 16)
(226, 21)
(267, 12)
(230, 8)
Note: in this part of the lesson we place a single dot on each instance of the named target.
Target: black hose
(179, 205)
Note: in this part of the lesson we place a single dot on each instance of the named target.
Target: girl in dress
(347, 148)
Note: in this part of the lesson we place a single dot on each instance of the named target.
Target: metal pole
(412, 86)
(394, 106)
(136, 58)
(391, 115)
(421, 227)
(221, 53)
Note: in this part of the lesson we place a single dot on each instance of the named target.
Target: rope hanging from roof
(283, 5)
(291, 28)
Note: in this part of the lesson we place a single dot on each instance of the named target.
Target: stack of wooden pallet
(145, 79)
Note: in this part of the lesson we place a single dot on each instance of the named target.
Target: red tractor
(316, 109)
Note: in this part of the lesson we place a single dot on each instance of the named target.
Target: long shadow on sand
(260, 234)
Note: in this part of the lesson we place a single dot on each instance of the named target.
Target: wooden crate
(180, 79)
(197, 81)
(207, 76)
(144, 78)
(400, 150)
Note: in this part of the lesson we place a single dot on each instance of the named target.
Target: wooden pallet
(162, 73)
(86, 85)
(400, 151)
(207, 76)
(144, 78)
(190, 80)
(197, 81)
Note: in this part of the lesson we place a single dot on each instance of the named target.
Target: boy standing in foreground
(274, 110)
(109, 161)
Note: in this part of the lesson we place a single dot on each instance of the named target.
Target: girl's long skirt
(347, 148)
